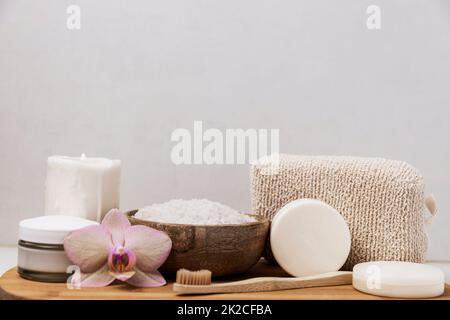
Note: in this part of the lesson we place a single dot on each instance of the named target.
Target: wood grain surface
(14, 287)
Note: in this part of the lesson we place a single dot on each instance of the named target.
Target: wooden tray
(14, 287)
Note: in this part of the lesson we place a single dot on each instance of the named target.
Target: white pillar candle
(84, 187)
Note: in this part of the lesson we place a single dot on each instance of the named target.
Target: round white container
(41, 255)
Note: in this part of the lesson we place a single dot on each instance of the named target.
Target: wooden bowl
(222, 249)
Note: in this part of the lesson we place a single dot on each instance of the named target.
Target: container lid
(50, 229)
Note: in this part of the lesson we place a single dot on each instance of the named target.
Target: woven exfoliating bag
(382, 200)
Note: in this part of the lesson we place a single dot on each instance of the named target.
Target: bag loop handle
(431, 205)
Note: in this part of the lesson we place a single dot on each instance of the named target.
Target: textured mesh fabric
(381, 200)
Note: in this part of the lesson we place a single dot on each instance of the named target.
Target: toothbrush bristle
(194, 278)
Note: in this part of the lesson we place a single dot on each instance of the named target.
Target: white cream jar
(41, 255)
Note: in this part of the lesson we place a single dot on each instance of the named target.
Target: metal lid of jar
(50, 229)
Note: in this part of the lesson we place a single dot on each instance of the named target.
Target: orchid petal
(116, 223)
(88, 247)
(100, 278)
(122, 276)
(144, 280)
(151, 246)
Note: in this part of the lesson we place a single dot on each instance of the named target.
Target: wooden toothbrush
(199, 282)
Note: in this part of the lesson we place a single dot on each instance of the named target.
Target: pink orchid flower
(116, 250)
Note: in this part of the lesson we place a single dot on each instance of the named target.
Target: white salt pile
(195, 211)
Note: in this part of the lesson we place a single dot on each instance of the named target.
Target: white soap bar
(309, 237)
(398, 279)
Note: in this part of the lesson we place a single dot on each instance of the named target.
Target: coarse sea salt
(195, 212)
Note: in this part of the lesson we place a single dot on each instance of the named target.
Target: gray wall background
(137, 70)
